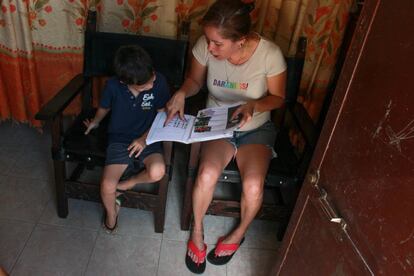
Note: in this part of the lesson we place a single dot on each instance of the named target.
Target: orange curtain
(41, 41)
(324, 27)
(41, 44)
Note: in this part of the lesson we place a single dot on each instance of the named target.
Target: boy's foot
(109, 224)
(127, 184)
(120, 197)
(109, 229)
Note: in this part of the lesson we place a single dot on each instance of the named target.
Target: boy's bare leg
(110, 178)
(154, 171)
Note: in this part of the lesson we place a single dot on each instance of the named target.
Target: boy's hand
(136, 147)
(90, 124)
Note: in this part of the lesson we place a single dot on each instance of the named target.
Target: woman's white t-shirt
(229, 84)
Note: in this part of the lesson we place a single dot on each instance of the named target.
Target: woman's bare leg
(253, 169)
(215, 155)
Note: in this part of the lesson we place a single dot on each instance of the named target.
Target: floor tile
(124, 255)
(34, 164)
(251, 262)
(34, 138)
(22, 198)
(172, 229)
(9, 133)
(8, 156)
(22, 135)
(55, 250)
(214, 226)
(261, 234)
(13, 237)
(172, 261)
(82, 214)
(136, 222)
(35, 241)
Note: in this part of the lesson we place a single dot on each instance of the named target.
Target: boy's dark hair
(133, 65)
(231, 17)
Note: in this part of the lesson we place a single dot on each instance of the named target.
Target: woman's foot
(225, 248)
(195, 259)
(232, 238)
(197, 237)
(223, 252)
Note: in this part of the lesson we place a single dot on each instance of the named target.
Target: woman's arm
(276, 86)
(190, 87)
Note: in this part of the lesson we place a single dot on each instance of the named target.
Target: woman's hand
(175, 105)
(245, 111)
(90, 124)
(136, 147)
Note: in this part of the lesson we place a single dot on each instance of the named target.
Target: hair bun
(248, 7)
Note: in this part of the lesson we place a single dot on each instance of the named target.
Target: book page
(214, 123)
(177, 130)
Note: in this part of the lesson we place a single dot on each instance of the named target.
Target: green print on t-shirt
(231, 85)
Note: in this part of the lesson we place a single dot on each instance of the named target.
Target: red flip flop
(196, 267)
(214, 258)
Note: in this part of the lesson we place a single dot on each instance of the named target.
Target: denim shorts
(117, 153)
(263, 135)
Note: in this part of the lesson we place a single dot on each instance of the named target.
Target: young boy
(133, 97)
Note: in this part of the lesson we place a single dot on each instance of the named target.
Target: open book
(209, 124)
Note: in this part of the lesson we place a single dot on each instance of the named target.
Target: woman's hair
(231, 17)
(133, 65)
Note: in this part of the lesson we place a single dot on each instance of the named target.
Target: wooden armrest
(62, 99)
(304, 122)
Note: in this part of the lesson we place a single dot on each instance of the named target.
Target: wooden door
(354, 215)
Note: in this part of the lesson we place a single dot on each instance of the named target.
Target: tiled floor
(34, 241)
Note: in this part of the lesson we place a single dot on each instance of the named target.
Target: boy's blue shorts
(117, 153)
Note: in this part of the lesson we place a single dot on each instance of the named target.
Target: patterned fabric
(46, 50)
(324, 28)
(41, 45)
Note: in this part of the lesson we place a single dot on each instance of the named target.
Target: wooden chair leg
(159, 213)
(61, 198)
(289, 195)
(59, 167)
(187, 210)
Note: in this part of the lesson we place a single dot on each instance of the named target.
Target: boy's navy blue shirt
(131, 116)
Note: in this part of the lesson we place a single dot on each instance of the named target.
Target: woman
(239, 66)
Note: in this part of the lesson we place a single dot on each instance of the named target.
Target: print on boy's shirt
(231, 85)
(146, 101)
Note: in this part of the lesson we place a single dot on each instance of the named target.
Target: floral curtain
(41, 41)
(41, 44)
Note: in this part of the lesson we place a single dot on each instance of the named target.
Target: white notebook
(209, 124)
